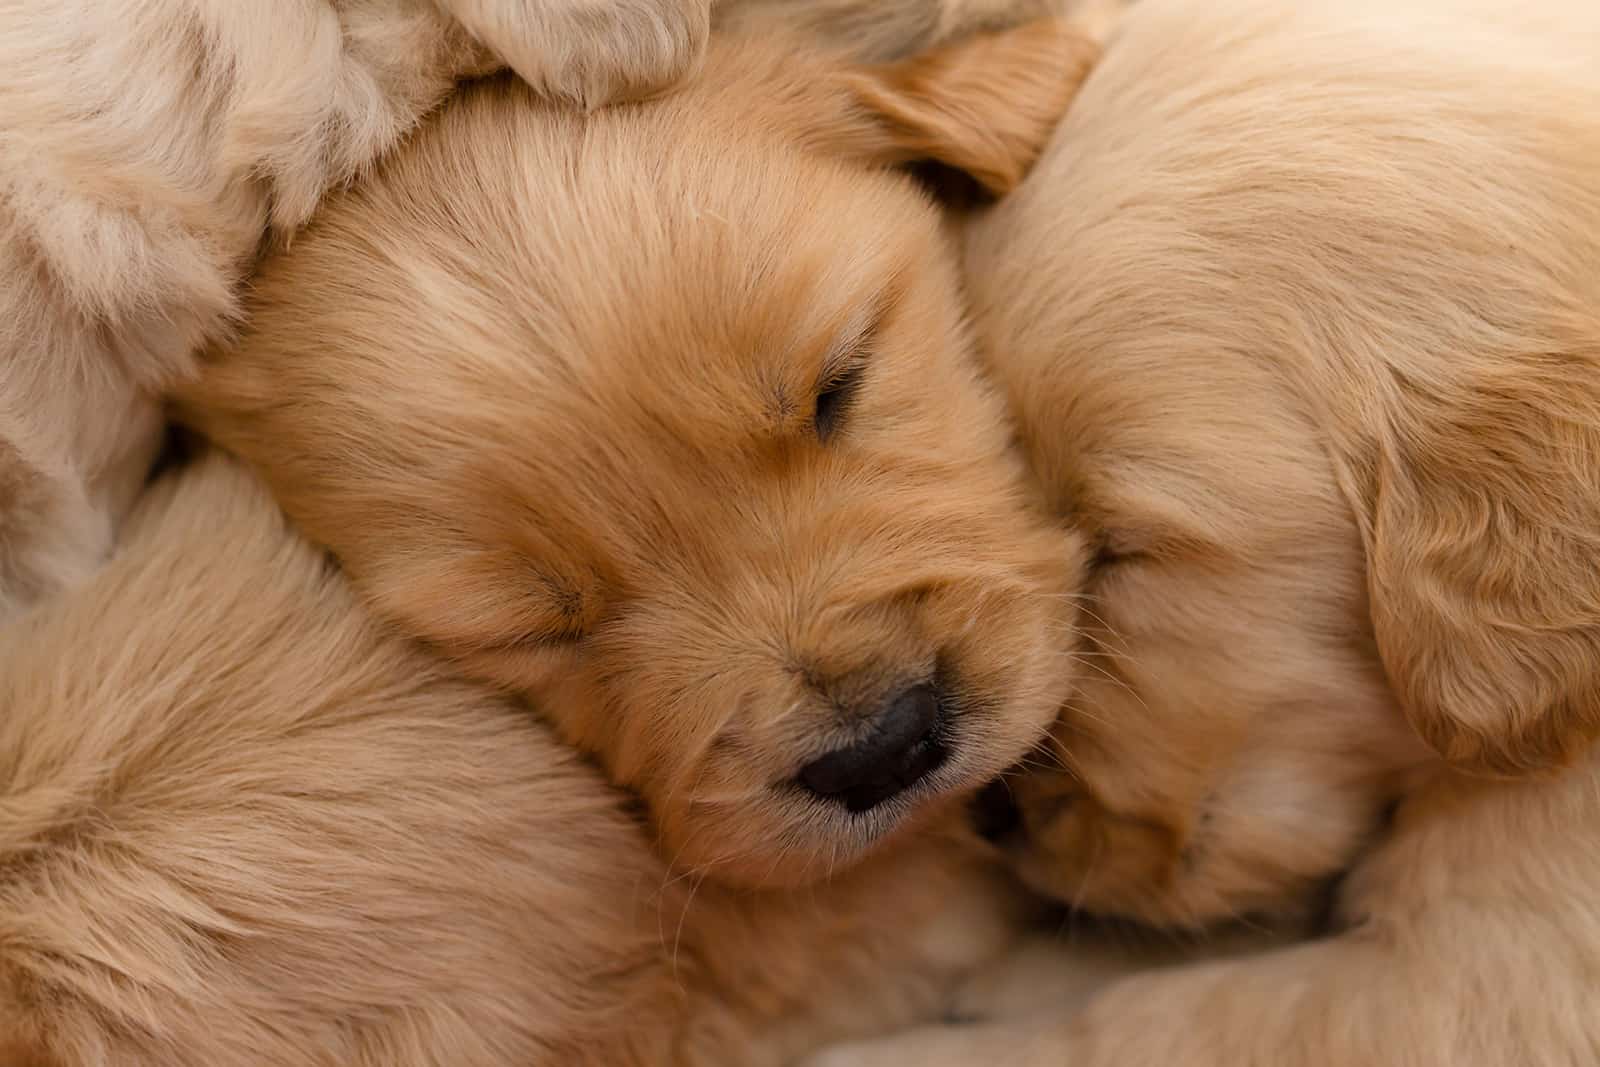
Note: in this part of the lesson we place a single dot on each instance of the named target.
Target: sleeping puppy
(665, 416)
(1300, 315)
(242, 824)
(147, 151)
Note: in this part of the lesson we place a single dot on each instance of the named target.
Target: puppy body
(1469, 936)
(145, 156)
(1298, 314)
(242, 824)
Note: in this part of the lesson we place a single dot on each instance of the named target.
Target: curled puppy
(244, 824)
(148, 150)
(1300, 316)
(666, 416)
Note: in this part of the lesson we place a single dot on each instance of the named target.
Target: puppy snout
(904, 744)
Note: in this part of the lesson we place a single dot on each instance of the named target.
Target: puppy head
(1324, 393)
(1232, 741)
(664, 415)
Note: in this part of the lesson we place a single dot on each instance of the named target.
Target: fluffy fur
(882, 29)
(547, 385)
(150, 147)
(241, 823)
(1300, 315)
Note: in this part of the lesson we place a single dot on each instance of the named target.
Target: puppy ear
(983, 107)
(1483, 512)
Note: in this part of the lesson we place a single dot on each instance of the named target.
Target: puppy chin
(790, 840)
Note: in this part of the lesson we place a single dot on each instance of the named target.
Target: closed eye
(1105, 556)
(561, 629)
(834, 400)
(524, 641)
(559, 615)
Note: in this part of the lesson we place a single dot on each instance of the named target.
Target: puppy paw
(863, 1054)
(1050, 974)
(592, 52)
(888, 1052)
(630, 48)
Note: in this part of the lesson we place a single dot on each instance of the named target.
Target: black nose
(903, 746)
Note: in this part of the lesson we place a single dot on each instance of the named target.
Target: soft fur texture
(148, 148)
(1300, 315)
(878, 30)
(881, 30)
(243, 824)
(546, 384)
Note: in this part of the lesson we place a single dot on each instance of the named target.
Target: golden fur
(241, 823)
(546, 384)
(1300, 316)
(148, 148)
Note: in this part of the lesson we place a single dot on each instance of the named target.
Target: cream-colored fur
(244, 825)
(547, 383)
(1300, 316)
(146, 151)
(882, 29)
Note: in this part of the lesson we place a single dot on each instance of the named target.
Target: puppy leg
(591, 51)
(1391, 994)
(963, 1045)
(1048, 974)
(996, 1014)
(1012, 1008)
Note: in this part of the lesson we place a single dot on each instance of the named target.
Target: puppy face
(664, 415)
(1233, 741)
(1321, 390)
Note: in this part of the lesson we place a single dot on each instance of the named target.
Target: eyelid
(850, 347)
(845, 376)
(559, 637)
(573, 615)
(1105, 556)
(834, 400)
(531, 642)
(842, 370)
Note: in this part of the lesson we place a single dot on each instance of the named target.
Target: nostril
(995, 813)
(904, 745)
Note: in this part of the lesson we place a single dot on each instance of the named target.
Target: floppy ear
(1483, 512)
(983, 107)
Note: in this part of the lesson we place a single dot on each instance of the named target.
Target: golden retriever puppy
(1300, 315)
(148, 149)
(666, 416)
(242, 823)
